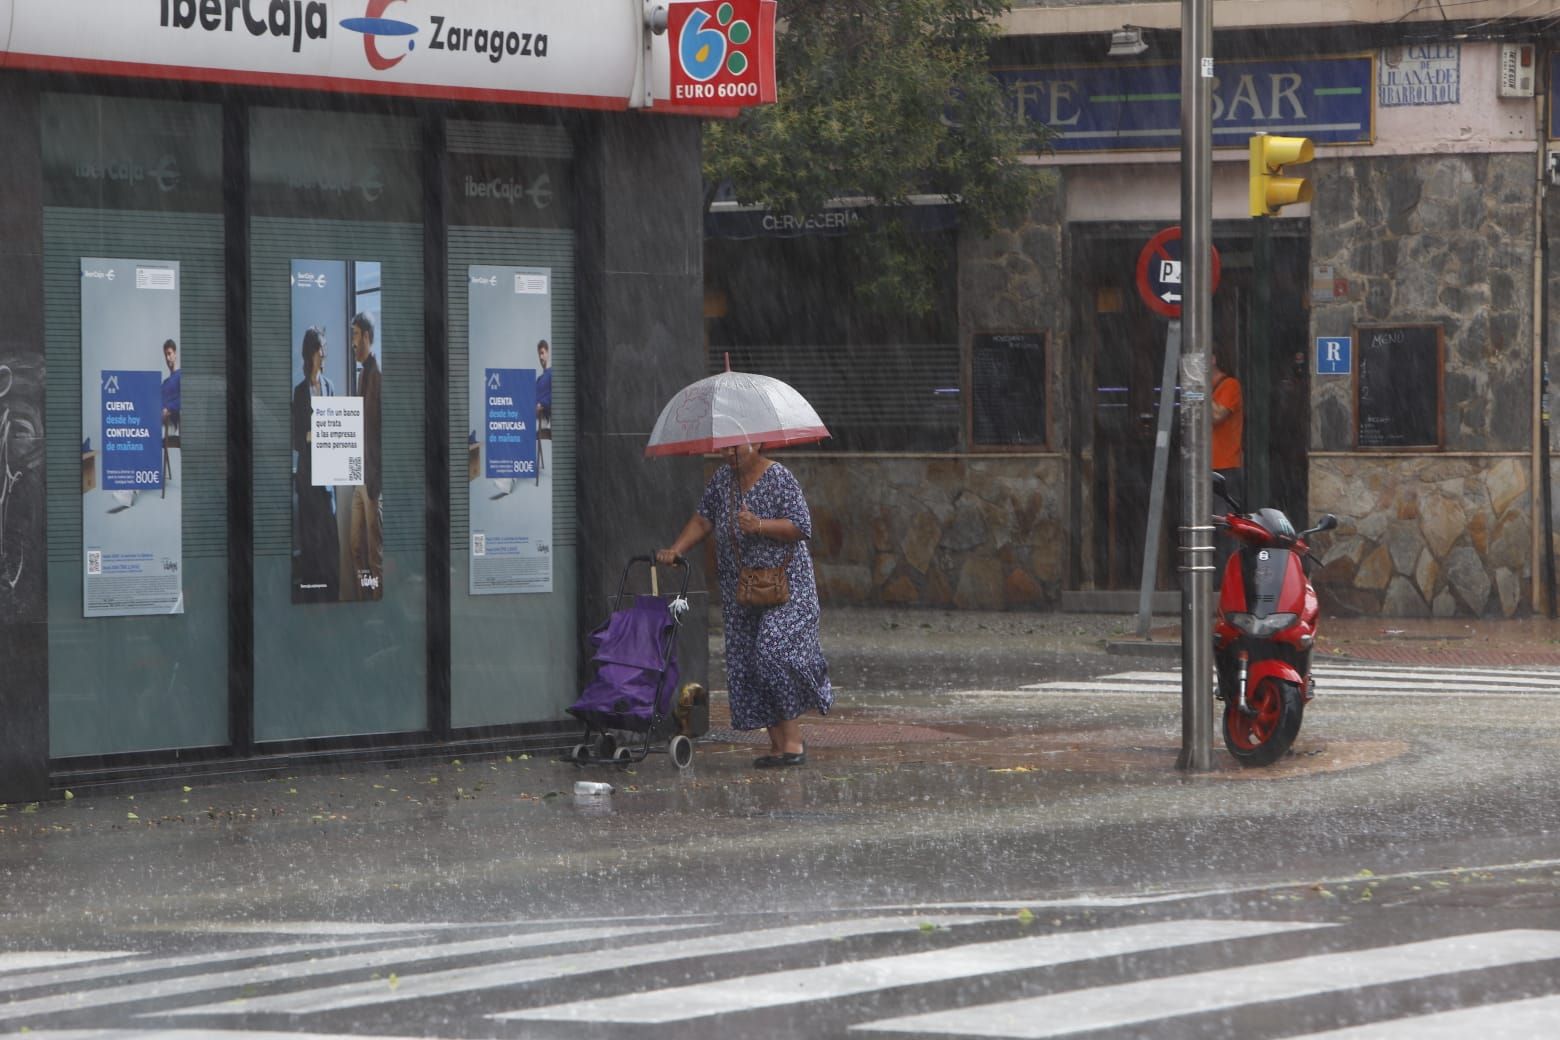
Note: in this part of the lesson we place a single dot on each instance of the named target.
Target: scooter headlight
(1262, 627)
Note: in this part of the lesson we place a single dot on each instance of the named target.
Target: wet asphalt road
(1400, 819)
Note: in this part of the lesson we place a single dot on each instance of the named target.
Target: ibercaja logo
(723, 52)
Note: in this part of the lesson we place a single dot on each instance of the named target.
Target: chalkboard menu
(1007, 389)
(1397, 400)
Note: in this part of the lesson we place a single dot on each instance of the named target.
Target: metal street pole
(1196, 425)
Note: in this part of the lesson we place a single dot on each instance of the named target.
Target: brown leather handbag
(760, 587)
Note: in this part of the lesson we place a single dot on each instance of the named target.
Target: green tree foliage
(883, 99)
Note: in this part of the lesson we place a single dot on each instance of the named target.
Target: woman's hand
(666, 557)
(749, 522)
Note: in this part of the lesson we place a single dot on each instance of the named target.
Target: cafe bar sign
(1095, 108)
(595, 54)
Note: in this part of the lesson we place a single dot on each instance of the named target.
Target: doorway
(1121, 350)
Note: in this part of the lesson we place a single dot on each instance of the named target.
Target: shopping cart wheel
(579, 753)
(623, 756)
(681, 750)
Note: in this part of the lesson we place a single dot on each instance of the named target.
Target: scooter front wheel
(1263, 736)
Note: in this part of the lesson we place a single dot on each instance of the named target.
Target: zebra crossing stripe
(804, 985)
(1514, 1020)
(35, 959)
(1331, 681)
(1135, 1003)
(129, 963)
(194, 1034)
(154, 989)
(512, 973)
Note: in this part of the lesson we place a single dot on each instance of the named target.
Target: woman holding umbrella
(775, 670)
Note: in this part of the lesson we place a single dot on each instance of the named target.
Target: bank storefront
(306, 365)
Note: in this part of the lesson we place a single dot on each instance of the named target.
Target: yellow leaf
(188, 789)
(927, 926)
(395, 980)
(1025, 916)
(69, 795)
(131, 816)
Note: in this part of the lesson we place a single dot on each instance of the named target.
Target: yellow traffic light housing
(1269, 189)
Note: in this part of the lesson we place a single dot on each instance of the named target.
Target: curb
(1144, 648)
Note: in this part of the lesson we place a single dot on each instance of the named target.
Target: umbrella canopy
(734, 408)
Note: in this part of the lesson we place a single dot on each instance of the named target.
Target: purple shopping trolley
(633, 705)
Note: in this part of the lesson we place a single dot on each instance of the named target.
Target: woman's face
(739, 456)
(317, 362)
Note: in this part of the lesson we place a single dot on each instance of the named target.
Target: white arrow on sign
(1170, 297)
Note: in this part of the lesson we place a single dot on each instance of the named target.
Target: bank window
(338, 382)
(136, 395)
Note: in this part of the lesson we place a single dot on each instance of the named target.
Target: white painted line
(1516, 1020)
(514, 973)
(804, 985)
(159, 989)
(318, 927)
(1135, 1003)
(193, 1034)
(30, 961)
(1479, 676)
(133, 965)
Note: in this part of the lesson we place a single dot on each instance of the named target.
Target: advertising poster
(337, 469)
(510, 439)
(131, 506)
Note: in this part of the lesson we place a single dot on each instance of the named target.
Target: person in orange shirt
(1229, 418)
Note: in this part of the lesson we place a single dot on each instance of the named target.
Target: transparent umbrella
(734, 408)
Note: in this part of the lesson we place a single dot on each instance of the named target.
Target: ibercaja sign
(723, 53)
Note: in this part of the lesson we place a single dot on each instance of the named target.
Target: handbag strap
(736, 534)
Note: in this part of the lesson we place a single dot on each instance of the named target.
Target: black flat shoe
(797, 758)
(767, 761)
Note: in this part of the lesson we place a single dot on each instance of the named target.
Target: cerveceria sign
(579, 54)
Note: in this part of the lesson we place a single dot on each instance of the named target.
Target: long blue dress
(775, 669)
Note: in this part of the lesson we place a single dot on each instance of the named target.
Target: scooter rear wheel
(1262, 737)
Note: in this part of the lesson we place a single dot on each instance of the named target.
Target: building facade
(326, 363)
(1391, 335)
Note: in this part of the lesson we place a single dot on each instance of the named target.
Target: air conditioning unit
(1518, 69)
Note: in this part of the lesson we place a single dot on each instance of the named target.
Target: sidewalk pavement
(1447, 642)
(933, 636)
(1484, 642)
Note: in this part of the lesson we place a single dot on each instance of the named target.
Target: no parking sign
(1159, 272)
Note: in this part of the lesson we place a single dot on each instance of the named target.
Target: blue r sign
(1332, 355)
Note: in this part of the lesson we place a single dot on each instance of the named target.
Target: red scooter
(1265, 632)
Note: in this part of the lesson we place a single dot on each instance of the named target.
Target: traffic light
(1269, 156)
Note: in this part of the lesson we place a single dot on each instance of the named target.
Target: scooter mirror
(1326, 523)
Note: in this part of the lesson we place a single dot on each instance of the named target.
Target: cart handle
(680, 562)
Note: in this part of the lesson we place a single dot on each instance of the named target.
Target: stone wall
(937, 531)
(1448, 240)
(1444, 239)
(1420, 536)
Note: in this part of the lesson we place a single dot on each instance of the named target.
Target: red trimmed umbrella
(734, 408)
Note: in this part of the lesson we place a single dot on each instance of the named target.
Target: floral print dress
(775, 669)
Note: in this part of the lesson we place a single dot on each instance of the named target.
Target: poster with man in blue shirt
(131, 415)
(509, 544)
